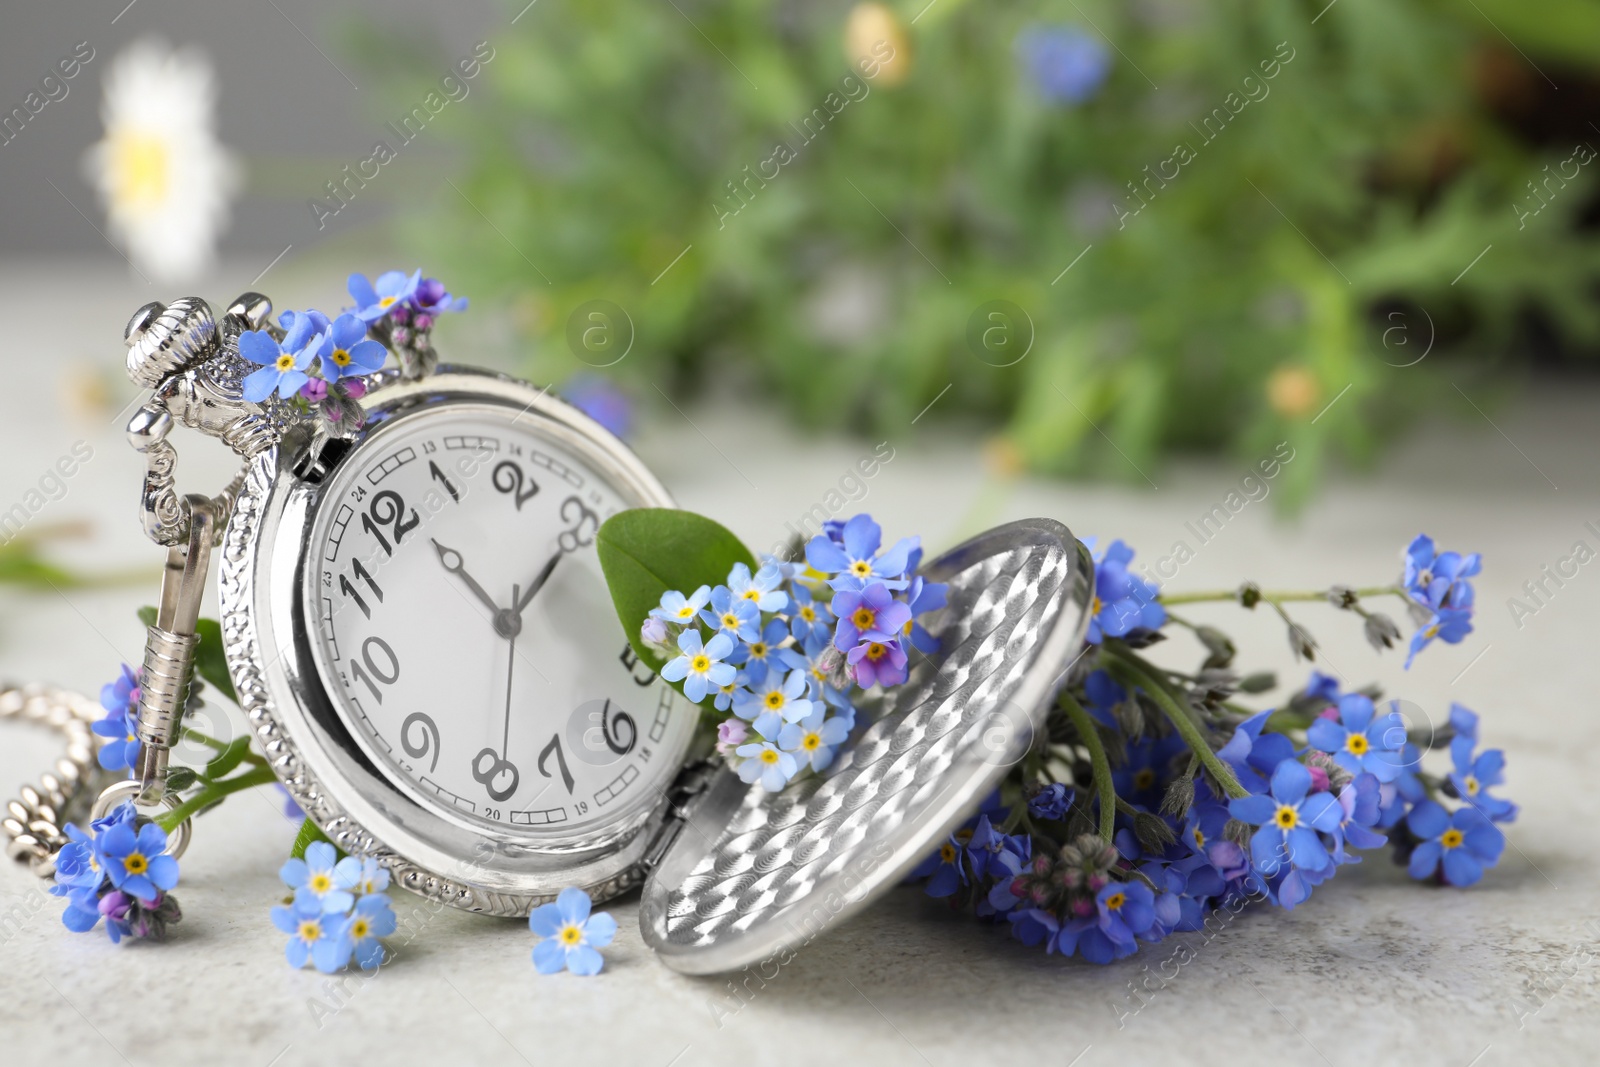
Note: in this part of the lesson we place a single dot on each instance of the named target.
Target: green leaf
(147, 614)
(309, 833)
(229, 758)
(645, 552)
(209, 660)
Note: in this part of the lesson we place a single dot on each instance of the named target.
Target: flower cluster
(570, 938)
(1441, 596)
(784, 649)
(1160, 800)
(1066, 64)
(338, 911)
(119, 872)
(1124, 604)
(401, 310)
(321, 364)
(120, 699)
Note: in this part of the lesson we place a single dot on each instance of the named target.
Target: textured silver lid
(755, 875)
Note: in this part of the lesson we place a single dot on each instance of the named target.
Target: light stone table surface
(1373, 970)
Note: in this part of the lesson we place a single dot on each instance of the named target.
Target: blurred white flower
(163, 177)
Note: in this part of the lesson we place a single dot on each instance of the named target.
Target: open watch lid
(754, 874)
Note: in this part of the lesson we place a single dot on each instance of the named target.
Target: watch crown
(249, 311)
(163, 341)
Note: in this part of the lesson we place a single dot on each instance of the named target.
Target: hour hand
(451, 561)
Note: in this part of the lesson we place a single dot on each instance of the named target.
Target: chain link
(34, 820)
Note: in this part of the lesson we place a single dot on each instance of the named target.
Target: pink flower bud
(314, 390)
(1319, 779)
(733, 732)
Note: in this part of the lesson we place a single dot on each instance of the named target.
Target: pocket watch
(418, 630)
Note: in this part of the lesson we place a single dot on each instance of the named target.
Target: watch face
(464, 632)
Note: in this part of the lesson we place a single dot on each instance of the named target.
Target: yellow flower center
(310, 929)
(340, 358)
(875, 651)
(1144, 778)
(863, 617)
(861, 568)
(730, 621)
(140, 172)
(321, 882)
(135, 863)
(1471, 782)
(686, 612)
(285, 362)
(1452, 838)
(774, 699)
(808, 613)
(1096, 605)
(1199, 838)
(700, 663)
(1116, 900)
(359, 929)
(963, 836)
(386, 301)
(758, 650)
(1286, 818)
(769, 755)
(571, 935)
(947, 852)
(751, 594)
(1357, 744)
(811, 742)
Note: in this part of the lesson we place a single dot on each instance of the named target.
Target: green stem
(203, 739)
(1182, 720)
(171, 820)
(1104, 789)
(1274, 597)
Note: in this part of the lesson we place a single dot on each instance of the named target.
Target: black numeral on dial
(439, 476)
(585, 523)
(640, 674)
(561, 761)
(388, 509)
(486, 772)
(508, 478)
(348, 588)
(617, 727)
(430, 738)
(384, 668)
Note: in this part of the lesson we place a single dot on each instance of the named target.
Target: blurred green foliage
(1313, 244)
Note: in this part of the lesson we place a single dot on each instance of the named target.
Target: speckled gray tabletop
(1374, 969)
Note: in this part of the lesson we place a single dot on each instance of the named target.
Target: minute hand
(537, 584)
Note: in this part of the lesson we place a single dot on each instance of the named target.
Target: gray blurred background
(280, 91)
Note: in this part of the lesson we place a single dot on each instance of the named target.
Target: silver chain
(34, 820)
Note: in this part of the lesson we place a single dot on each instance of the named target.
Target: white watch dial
(465, 633)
